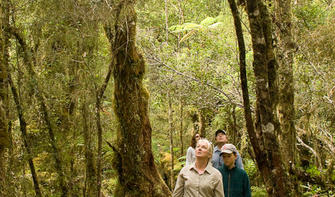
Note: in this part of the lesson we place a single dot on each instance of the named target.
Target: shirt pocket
(213, 183)
(187, 181)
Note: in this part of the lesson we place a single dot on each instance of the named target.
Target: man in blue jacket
(235, 180)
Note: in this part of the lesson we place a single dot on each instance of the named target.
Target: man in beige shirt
(200, 179)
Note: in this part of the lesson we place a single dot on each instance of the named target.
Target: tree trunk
(195, 122)
(4, 44)
(90, 183)
(69, 119)
(171, 141)
(181, 132)
(233, 123)
(285, 107)
(23, 128)
(202, 123)
(268, 156)
(244, 81)
(99, 95)
(263, 139)
(134, 162)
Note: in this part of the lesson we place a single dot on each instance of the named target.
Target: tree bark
(244, 81)
(233, 122)
(285, 108)
(263, 139)
(268, 157)
(4, 45)
(133, 160)
(90, 183)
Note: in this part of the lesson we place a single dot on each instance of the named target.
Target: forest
(100, 98)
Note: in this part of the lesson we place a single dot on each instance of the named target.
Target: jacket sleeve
(238, 161)
(246, 186)
(179, 188)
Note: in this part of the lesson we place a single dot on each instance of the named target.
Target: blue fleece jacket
(235, 182)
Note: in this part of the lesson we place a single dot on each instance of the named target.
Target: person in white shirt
(190, 154)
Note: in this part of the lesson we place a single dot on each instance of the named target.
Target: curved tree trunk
(137, 173)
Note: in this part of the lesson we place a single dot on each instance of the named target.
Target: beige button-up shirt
(192, 184)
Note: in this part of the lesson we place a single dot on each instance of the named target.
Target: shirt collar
(209, 168)
(226, 168)
(216, 149)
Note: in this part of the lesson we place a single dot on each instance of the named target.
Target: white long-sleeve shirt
(190, 156)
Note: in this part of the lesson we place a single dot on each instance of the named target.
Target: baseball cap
(228, 148)
(220, 131)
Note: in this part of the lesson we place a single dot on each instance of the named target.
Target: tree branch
(161, 63)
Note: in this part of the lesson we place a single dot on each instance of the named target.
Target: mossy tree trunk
(285, 107)
(268, 154)
(90, 179)
(137, 173)
(4, 43)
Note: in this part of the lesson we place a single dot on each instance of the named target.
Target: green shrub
(250, 167)
(258, 191)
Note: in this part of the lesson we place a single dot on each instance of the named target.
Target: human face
(202, 150)
(221, 138)
(229, 159)
(197, 137)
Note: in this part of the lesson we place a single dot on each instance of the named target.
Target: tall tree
(268, 157)
(137, 173)
(284, 54)
(4, 43)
